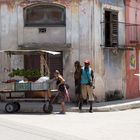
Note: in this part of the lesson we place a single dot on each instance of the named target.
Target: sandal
(62, 112)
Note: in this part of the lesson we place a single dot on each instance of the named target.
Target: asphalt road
(121, 125)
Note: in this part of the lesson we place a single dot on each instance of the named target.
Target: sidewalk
(36, 107)
(117, 105)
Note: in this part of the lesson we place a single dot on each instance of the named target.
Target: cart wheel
(10, 108)
(48, 108)
(16, 106)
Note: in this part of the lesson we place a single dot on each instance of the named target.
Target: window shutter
(114, 29)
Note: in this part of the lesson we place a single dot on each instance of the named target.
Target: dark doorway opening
(107, 29)
(55, 62)
(32, 62)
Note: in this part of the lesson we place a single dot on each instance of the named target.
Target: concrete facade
(83, 31)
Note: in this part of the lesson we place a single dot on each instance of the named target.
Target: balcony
(120, 35)
(132, 35)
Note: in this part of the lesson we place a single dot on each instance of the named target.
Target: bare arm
(92, 75)
(61, 79)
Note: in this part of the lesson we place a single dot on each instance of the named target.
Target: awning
(119, 3)
(24, 52)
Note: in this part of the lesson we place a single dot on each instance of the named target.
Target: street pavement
(114, 120)
(115, 125)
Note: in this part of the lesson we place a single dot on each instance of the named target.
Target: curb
(120, 107)
(108, 108)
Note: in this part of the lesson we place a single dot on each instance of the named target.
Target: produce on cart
(31, 90)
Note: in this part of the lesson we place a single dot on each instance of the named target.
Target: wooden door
(32, 62)
(55, 62)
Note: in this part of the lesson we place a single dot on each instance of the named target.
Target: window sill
(122, 48)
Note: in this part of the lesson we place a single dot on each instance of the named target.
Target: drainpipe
(79, 37)
(91, 39)
(136, 21)
(93, 34)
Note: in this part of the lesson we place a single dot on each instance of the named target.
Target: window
(44, 15)
(111, 28)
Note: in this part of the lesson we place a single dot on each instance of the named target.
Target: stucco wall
(132, 66)
(8, 38)
(83, 32)
(109, 67)
(52, 35)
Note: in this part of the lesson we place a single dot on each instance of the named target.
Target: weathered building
(79, 29)
(132, 10)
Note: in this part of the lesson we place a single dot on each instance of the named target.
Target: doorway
(55, 62)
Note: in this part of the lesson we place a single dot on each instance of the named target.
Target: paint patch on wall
(23, 3)
(132, 60)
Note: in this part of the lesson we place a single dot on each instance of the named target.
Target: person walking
(62, 95)
(77, 79)
(87, 77)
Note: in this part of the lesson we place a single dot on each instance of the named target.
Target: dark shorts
(78, 89)
(61, 97)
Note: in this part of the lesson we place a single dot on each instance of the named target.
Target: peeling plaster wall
(8, 38)
(8, 20)
(109, 67)
(82, 16)
(82, 30)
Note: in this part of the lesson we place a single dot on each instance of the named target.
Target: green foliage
(26, 73)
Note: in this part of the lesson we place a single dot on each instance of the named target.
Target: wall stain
(23, 3)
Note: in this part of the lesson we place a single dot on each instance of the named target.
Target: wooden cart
(8, 90)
